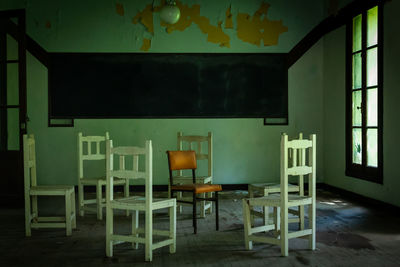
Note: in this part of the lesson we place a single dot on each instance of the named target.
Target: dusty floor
(348, 234)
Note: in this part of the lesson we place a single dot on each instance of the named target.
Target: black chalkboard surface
(153, 85)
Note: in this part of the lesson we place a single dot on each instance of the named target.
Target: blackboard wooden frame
(275, 60)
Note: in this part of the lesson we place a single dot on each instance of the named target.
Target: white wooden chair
(32, 191)
(194, 143)
(282, 201)
(146, 204)
(85, 146)
(264, 189)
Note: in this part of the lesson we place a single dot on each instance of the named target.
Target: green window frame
(364, 95)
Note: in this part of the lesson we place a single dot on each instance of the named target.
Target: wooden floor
(348, 234)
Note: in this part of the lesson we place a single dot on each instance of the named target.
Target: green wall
(334, 112)
(245, 151)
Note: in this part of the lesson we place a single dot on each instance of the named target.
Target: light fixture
(170, 13)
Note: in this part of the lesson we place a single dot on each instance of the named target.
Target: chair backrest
(182, 160)
(194, 142)
(124, 153)
(290, 155)
(297, 165)
(29, 161)
(87, 143)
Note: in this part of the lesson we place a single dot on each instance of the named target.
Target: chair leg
(170, 194)
(278, 218)
(312, 214)
(68, 203)
(277, 221)
(210, 195)
(266, 210)
(301, 217)
(148, 251)
(99, 201)
(135, 226)
(247, 225)
(301, 208)
(28, 214)
(210, 209)
(284, 232)
(126, 193)
(172, 228)
(216, 211)
(109, 231)
(251, 195)
(203, 206)
(179, 195)
(35, 209)
(81, 200)
(73, 210)
(194, 213)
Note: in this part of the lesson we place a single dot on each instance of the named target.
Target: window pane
(372, 67)
(12, 48)
(372, 107)
(357, 33)
(357, 145)
(357, 71)
(372, 26)
(357, 108)
(2, 110)
(12, 84)
(13, 129)
(372, 147)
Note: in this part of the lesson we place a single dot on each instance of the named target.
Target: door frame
(13, 158)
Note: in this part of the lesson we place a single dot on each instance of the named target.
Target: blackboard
(159, 85)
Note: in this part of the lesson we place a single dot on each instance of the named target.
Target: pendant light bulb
(170, 13)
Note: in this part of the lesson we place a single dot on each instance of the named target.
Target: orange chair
(186, 160)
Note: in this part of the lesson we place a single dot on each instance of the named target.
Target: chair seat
(138, 203)
(189, 179)
(197, 188)
(51, 190)
(94, 180)
(274, 187)
(274, 200)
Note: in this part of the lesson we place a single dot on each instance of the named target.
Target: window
(364, 96)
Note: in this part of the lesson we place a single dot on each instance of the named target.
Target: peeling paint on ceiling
(119, 8)
(257, 28)
(251, 29)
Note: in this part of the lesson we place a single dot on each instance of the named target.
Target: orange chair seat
(198, 188)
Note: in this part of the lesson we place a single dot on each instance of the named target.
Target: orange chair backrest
(182, 160)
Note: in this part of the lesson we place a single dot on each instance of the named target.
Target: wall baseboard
(363, 200)
(17, 202)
